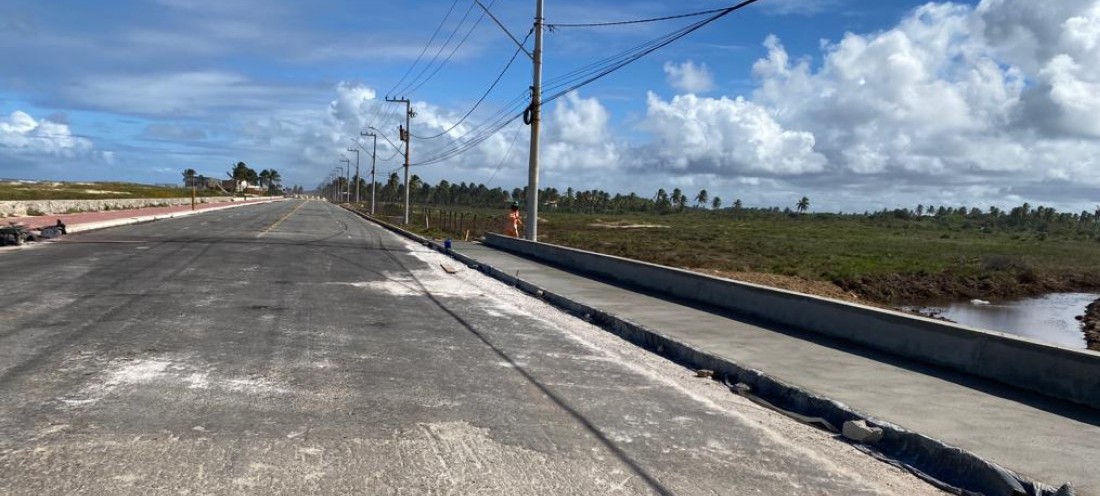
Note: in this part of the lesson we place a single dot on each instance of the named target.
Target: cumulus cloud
(997, 98)
(21, 134)
(579, 138)
(689, 77)
(726, 137)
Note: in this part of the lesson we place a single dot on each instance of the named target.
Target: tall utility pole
(405, 135)
(535, 111)
(348, 185)
(356, 150)
(373, 154)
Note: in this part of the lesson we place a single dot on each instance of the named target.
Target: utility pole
(405, 136)
(373, 154)
(356, 150)
(348, 185)
(531, 116)
(535, 110)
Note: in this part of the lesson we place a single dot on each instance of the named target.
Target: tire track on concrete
(560, 402)
(30, 363)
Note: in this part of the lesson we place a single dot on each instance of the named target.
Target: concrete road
(292, 348)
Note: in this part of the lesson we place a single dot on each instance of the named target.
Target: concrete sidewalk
(1040, 438)
(88, 221)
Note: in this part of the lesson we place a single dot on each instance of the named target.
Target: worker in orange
(515, 222)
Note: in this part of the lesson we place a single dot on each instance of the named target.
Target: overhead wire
(453, 51)
(553, 26)
(426, 46)
(483, 95)
(652, 47)
(404, 89)
(576, 79)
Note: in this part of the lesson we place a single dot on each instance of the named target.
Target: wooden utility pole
(405, 136)
(373, 154)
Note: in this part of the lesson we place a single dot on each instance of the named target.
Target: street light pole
(373, 155)
(356, 150)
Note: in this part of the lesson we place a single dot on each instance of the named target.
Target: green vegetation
(890, 256)
(46, 190)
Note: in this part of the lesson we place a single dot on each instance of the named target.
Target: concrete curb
(126, 221)
(962, 471)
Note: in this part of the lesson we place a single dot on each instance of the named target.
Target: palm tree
(716, 203)
(189, 177)
(701, 198)
(265, 178)
(803, 204)
(273, 179)
(679, 199)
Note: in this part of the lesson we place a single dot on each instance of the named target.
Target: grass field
(47, 190)
(883, 260)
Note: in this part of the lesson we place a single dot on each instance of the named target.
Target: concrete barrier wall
(60, 207)
(1072, 375)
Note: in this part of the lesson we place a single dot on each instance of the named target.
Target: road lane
(292, 347)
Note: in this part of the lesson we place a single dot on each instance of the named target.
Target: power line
(453, 51)
(483, 96)
(507, 153)
(425, 49)
(656, 45)
(404, 89)
(637, 21)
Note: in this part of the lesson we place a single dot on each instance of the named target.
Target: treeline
(663, 202)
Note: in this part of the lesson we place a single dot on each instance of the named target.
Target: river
(1047, 318)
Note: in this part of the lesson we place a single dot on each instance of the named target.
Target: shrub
(35, 212)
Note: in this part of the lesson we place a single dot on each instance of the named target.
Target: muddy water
(1047, 318)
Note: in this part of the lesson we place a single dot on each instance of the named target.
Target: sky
(856, 104)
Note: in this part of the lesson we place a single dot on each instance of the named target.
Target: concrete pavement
(1040, 438)
(292, 348)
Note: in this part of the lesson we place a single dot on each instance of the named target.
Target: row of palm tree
(241, 173)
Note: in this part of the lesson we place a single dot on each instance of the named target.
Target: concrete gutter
(1050, 370)
(953, 469)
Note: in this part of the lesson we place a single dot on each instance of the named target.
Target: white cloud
(579, 139)
(22, 134)
(949, 99)
(177, 94)
(803, 7)
(723, 136)
(689, 77)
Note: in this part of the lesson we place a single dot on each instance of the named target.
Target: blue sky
(858, 104)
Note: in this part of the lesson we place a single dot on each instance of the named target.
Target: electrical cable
(453, 51)
(425, 49)
(665, 41)
(483, 96)
(404, 89)
(507, 153)
(637, 21)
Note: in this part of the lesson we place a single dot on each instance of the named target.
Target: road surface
(292, 348)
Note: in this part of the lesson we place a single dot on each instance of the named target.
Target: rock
(860, 432)
(704, 373)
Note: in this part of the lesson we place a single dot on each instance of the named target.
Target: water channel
(1047, 318)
